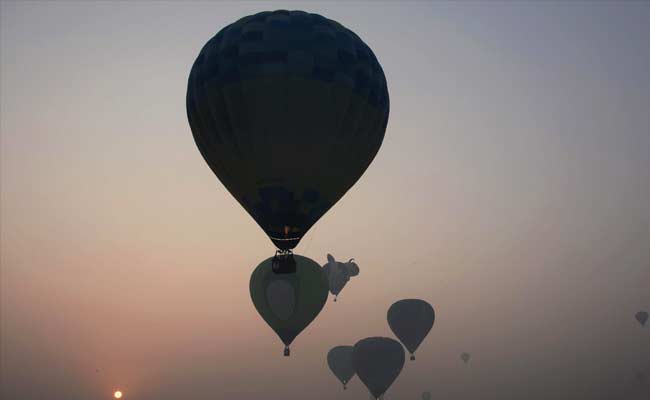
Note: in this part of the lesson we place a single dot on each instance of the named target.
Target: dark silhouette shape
(289, 302)
(288, 109)
(378, 361)
(411, 320)
(339, 359)
(465, 357)
(642, 317)
(283, 262)
(426, 396)
(339, 274)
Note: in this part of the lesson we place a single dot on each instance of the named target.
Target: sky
(510, 192)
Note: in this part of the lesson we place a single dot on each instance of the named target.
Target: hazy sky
(511, 192)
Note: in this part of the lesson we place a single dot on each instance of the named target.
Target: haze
(511, 192)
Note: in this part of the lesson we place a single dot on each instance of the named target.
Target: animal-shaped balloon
(338, 274)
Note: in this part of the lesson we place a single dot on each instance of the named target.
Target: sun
(117, 394)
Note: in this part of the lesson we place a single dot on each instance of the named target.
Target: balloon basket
(283, 262)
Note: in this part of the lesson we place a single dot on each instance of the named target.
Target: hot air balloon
(642, 317)
(289, 300)
(378, 361)
(426, 396)
(465, 357)
(339, 360)
(288, 109)
(339, 274)
(411, 320)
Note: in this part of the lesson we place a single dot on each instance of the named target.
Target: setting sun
(117, 394)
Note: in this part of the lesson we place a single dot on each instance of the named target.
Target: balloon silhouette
(642, 317)
(411, 320)
(289, 301)
(465, 357)
(426, 396)
(339, 360)
(378, 361)
(288, 109)
(339, 274)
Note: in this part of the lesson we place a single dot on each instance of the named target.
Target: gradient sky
(511, 192)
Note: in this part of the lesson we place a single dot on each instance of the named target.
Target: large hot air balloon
(339, 359)
(378, 361)
(339, 274)
(289, 300)
(465, 357)
(411, 320)
(642, 317)
(288, 109)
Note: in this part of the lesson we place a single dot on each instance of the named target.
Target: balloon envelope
(411, 320)
(378, 361)
(338, 275)
(288, 109)
(339, 359)
(642, 317)
(465, 357)
(426, 396)
(289, 302)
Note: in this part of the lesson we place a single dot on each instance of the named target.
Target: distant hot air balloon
(642, 317)
(339, 359)
(289, 300)
(465, 357)
(426, 396)
(378, 361)
(411, 320)
(288, 109)
(339, 274)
